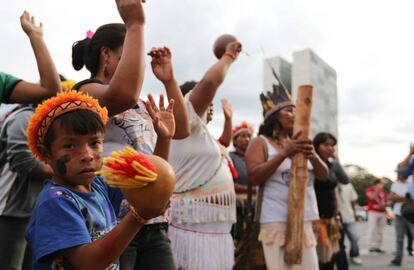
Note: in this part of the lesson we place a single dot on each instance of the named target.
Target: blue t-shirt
(64, 218)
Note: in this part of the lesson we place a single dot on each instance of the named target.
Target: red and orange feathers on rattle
(128, 169)
(147, 181)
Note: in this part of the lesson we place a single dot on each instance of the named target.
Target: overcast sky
(369, 44)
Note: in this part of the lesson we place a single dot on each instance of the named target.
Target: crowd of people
(57, 211)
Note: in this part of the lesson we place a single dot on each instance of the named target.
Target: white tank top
(276, 193)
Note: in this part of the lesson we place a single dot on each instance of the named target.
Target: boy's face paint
(75, 158)
(61, 164)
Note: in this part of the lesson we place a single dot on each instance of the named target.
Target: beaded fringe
(202, 251)
(216, 207)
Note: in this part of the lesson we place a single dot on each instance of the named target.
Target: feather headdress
(52, 108)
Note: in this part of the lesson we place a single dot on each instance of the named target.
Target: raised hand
(234, 48)
(131, 11)
(162, 118)
(29, 25)
(161, 64)
(227, 109)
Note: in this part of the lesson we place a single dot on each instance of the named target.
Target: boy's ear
(44, 152)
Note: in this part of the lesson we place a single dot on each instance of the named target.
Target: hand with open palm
(227, 109)
(29, 25)
(162, 118)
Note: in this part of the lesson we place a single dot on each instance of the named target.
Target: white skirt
(272, 236)
(205, 246)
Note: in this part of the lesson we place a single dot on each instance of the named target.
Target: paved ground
(379, 262)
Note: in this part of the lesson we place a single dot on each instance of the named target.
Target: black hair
(81, 121)
(187, 87)
(321, 138)
(86, 52)
(271, 126)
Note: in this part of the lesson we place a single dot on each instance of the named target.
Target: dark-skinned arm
(104, 251)
(319, 167)
(203, 93)
(25, 92)
(162, 68)
(123, 90)
(162, 148)
(396, 198)
(227, 134)
(258, 169)
(182, 129)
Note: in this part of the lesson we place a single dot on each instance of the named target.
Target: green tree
(362, 179)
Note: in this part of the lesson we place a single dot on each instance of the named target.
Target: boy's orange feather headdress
(53, 107)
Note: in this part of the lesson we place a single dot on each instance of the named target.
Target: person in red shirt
(377, 199)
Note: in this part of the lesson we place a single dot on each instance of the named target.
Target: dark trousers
(409, 240)
(150, 249)
(14, 254)
(327, 266)
(242, 211)
(401, 227)
(341, 261)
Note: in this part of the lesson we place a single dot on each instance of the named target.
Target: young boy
(73, 225)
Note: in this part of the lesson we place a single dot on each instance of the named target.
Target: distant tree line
(361, 179)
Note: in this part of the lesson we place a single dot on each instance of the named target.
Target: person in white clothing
(347, 198)
(203, 207)
(268, 162)
(399, 190)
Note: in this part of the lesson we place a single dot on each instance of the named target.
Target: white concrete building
(308, 68)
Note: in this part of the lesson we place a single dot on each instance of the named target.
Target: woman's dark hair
(321, 138)
(187, 87)
(86, 52)
(81, 121)
(270, 126)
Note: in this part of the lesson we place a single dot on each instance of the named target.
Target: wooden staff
(298, 180)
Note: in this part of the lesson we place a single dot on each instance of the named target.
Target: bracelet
(135, 214)
(230, 54)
